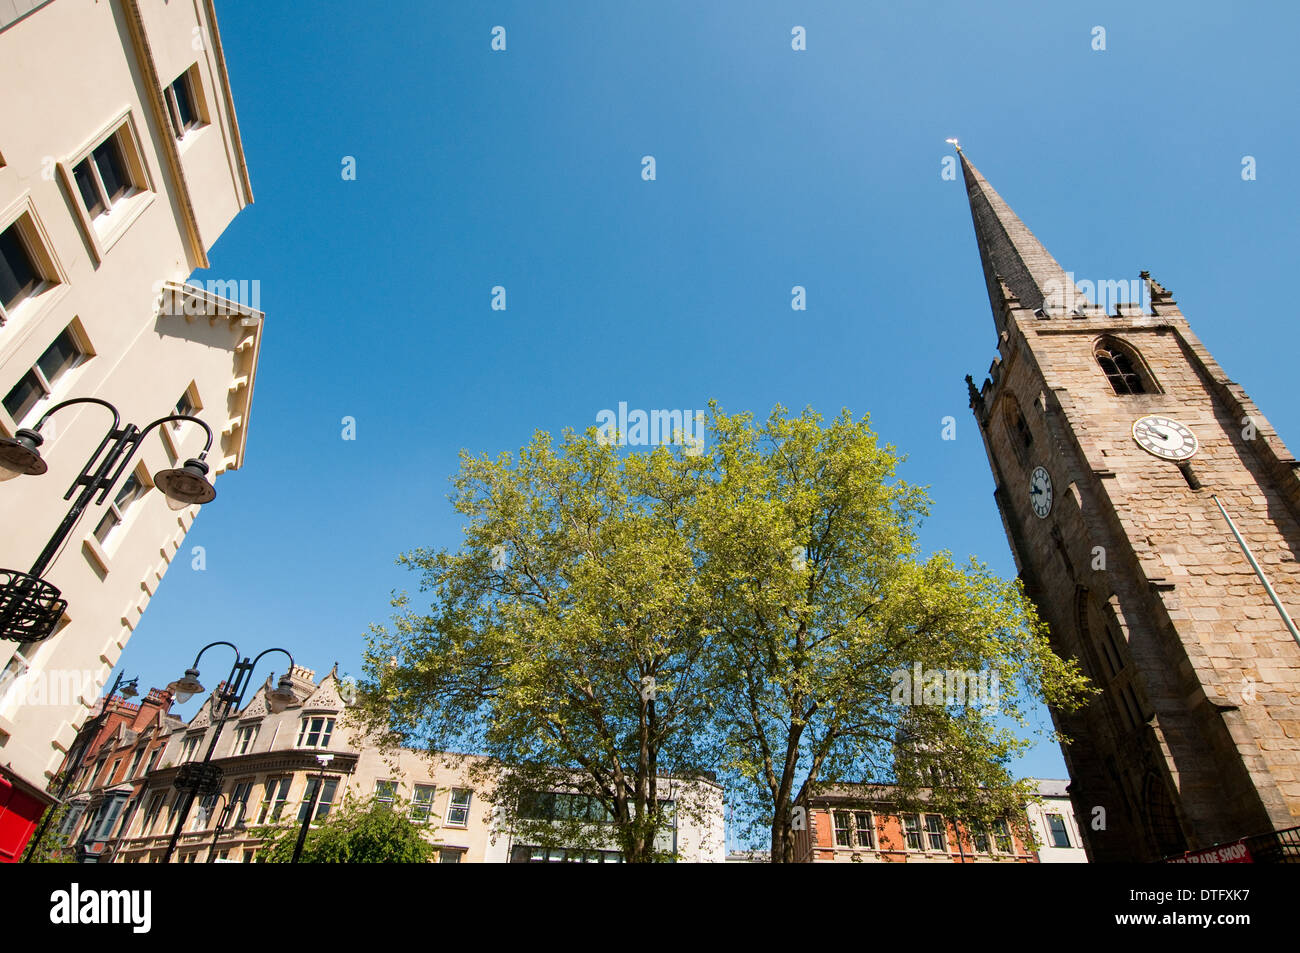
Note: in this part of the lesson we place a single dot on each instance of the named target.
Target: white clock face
(1040, 492)
(1164, 438)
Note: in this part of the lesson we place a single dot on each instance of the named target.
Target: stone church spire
(1010, 252)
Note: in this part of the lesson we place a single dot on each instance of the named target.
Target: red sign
(1235, 853)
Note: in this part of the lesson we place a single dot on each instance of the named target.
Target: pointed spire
(1013, 259)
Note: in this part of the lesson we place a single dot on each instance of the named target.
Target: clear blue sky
(775, 168)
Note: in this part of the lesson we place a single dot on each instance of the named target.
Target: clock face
(1040, 492)
(1164, 438)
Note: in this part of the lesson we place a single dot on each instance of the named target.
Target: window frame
(103, 229)
(119, 510)
(50, 387)
(39, 249)
(1052, 832)
(423, 805)
(245, 738)
(275, 795)
(194, 91)
(1138, 369)
(323, 734)
(453, 807)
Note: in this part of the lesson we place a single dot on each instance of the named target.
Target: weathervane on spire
(954, 144)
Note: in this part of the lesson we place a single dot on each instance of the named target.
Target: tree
(839, 652)
(53, 848)
(612, 617)
(359, 831)
(566, 640)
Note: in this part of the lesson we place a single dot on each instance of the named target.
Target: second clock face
(1164, 438)
(1040, 492)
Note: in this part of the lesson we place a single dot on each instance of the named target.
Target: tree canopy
(359, 831)
(742, 609)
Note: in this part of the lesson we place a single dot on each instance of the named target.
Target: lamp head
(187, 485)
(19, 455)
(183, 689)
(129, 689)
(282, 696)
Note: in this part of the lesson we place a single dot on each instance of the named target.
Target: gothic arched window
(1122, 367)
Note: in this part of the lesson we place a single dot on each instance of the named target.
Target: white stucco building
(120, 166)
(1055, 827)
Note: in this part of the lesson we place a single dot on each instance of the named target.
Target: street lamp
(31, 607)
(204, 776)
(324, 760)
(126, 690)
(222, 819)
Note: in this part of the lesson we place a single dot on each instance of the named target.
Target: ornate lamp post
(222, 820)
(203, 777)
(30, 607)
(324, 760)
(128, 690)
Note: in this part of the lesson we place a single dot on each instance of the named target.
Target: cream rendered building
(120, 166)
(270, 770)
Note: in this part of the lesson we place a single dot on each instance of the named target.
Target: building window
(979, 835)
(275, 794)
(912, 831)
(843, 829)
(36, 386)
(185, 407)
(422, 803)
(245, 735)
(326, 799)
(135, 762)
(315, 732)
(122, 503)
(854, 829)
(935, 836)
(151, 814)
(1120, 364)
(184, 104)
(386, 793)
(153, 758)
(1056, 828)
(189, 747)
(458, 809)
(102, 176)
(19, 275)
(450, 855)
(1002, 836)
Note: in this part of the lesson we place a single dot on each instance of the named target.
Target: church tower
(1155, 519)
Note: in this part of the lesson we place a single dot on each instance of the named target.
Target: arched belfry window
(1018, 432)
(1123, 367)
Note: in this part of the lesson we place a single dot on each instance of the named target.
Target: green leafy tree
(566, 641)
(359, 831)
(821, 603)
(612, 618)
(53, 848)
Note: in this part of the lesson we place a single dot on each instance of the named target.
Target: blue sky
(774, 168)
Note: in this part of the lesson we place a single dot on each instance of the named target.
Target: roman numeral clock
(1164, 438)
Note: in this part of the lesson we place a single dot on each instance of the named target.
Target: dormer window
(315, 732)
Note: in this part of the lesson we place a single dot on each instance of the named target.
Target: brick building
(126, 804)
(1154, 516)
(860, 823)
(120, 752)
